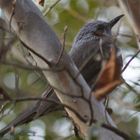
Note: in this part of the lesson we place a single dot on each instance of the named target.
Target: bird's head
(104, 28)
(95, 30)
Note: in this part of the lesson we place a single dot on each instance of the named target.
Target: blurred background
(123, 103)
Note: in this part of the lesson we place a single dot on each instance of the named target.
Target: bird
(94, 41)
(91, 46)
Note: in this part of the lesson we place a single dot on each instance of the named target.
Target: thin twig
(63, 45)
(127, 64)
(27, 67)
(7, 113)
(16, 100)
(22, 99)
(116, 131)
(131, 88)
(37, 54)
(51, 7)
(136, 83)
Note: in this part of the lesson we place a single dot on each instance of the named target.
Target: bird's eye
(99, 31)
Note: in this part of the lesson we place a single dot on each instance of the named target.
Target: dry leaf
(110, 77)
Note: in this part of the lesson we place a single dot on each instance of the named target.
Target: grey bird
(92, 45)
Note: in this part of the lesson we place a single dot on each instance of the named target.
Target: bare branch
(63, 45)
(44, 59)
(51, 7)
(132, 58)
(27, 67)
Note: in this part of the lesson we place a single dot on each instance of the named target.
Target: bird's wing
(88, 59)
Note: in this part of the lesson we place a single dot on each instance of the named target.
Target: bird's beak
(115, 20)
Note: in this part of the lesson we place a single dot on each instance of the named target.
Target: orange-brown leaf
(104, 91)
(110, 77)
